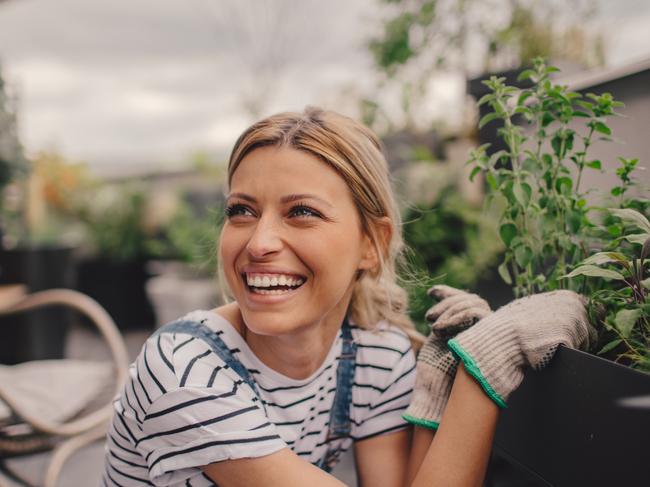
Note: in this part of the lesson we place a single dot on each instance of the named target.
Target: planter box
(581, 421)
(39, 334)
(120, 288)
(172, 297)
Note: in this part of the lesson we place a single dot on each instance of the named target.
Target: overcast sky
(121, 83)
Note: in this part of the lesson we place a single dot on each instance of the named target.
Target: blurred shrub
(450, 241)
(190, 238)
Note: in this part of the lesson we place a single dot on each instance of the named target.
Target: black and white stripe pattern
(182, 407)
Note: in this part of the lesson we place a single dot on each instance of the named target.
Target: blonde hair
(355, 152)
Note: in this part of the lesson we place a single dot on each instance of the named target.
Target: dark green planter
(38, 334)
(120, 288)
(582, 421)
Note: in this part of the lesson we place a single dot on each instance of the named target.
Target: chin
(271, 323)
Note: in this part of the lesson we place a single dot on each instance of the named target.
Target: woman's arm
(282, 468)
(458, 452)
(382, 460)
(456, 456)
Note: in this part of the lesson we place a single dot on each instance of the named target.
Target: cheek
(336, 260)
(229, 248)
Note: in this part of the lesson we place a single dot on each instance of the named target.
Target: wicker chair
(63, 427)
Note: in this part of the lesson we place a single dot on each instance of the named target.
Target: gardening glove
(456, 311)
(525, 332)
(436, 365)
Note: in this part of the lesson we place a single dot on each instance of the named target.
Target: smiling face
(292, 242)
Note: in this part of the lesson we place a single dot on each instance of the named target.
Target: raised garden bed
(582, 421)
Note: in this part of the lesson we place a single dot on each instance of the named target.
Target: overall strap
(205, 333)
(339, 422)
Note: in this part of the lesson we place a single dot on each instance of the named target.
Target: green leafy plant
(190, 239)
(620, 287)
(547, 223)
(114, 222)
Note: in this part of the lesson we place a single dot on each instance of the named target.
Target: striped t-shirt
(182, 408)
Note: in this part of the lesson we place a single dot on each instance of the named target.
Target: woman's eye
(237, 210)
(304, 211)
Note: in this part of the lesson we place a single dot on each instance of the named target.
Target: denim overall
(339, 421)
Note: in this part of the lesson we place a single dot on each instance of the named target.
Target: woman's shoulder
(172, 359)
(384, 341)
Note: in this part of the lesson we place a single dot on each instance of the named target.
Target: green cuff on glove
(473, 369)
(421, 422)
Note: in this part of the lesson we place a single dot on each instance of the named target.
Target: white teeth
(273, 280)
(270, 291)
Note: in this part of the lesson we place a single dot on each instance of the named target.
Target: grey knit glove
(456, 311)
(436, 365)
(525, 332)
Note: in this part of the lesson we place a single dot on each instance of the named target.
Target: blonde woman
(312, 355)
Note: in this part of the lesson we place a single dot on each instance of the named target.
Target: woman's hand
(525, 332)
(436, 365)
(456, 311)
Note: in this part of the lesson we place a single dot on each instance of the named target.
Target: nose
(265, 239)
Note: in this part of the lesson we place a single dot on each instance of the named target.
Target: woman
(313, 354)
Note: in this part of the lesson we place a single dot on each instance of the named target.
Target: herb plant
(547, 225)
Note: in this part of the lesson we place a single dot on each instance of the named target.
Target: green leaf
(615, 230)
(526, 74)
(629, 215)
(556, 144)
(486, 98)
(564, 185)
(611, 345)
(503, 272)
(616, 191)
(547, 119)
(474, 172)
(523, 255)
(487, 119)
(523, 97)
(522, 193)
(491, 180)
(602, 128)
(625, 320)
(574, 219)
(604, 258)
(508, 231)
(594, 164)
(637, 238)
(593, 271)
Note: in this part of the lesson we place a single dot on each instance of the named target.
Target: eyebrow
(285, 199)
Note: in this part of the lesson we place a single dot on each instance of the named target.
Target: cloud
(113, 82)
(122, 80)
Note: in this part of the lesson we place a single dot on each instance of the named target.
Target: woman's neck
(297, 355)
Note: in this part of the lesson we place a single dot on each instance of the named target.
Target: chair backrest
(581, 421)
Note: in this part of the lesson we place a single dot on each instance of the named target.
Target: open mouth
(280, 284)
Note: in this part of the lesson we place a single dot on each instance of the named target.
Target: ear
(369, 255)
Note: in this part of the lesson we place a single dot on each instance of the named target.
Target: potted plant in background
(555, 236)
(113, 265)
(184, 272)
(30, 254)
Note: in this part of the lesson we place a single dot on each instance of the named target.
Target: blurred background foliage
(47, 198)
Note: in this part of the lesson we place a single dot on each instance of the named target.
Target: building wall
(630, 132)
